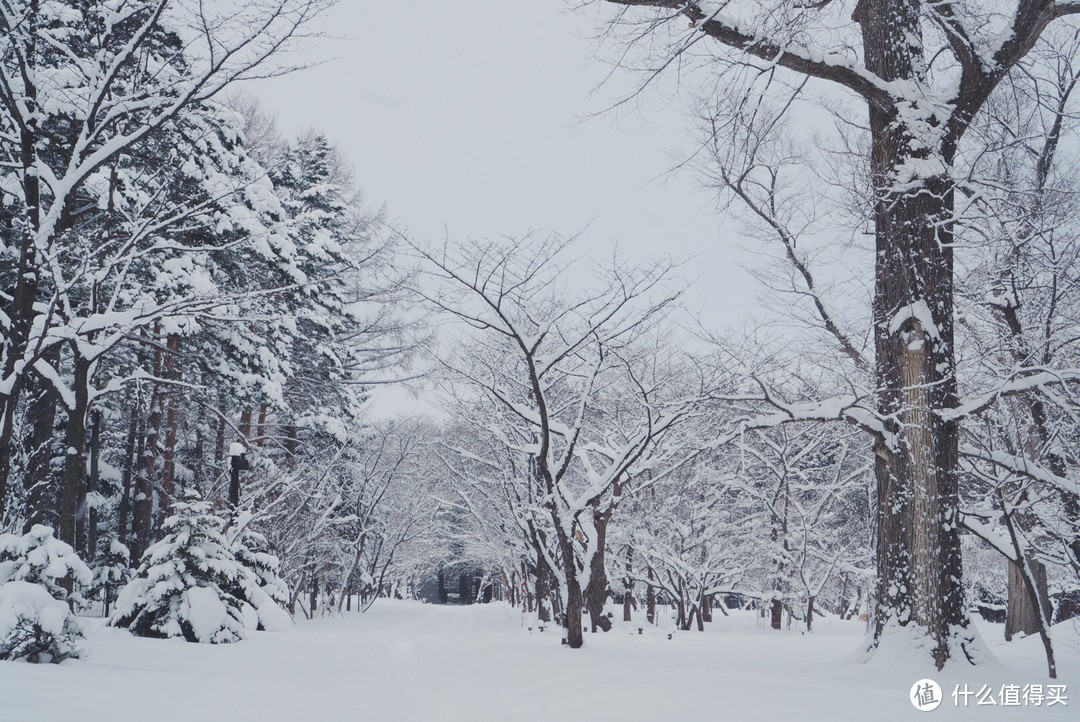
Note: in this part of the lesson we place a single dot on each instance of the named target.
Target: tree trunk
(39, 449)
(844, 601)
(1022, 617)
(20, 311)
(75, 453)
(292, 445)
(543, 591)
(573, 612)
(219, 434)
(128, 472)
(574, 593)
(650, 604)
(810, 613)
(260, 429)
(596, 592)
(706, 608)
(143, 507)
(916, 462)
(245, 425)
(168, 465)
(198, 452)
(93, 486)
(776, 614)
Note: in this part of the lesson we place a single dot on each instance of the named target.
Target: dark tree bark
(168, 466)
(39, 449)
(219, 435)
(260, 428)
(198, 451)
(143, 506)
(650, 604)
(918, 554)
(75, 452)
(128, 472)
(596, 592)
(443, 598)
(20, 310)
(844, 601)
(543, 592)
(574, 593)
(464, 588)
(93, 486)
(776, 614)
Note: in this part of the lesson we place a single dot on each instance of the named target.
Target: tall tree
(923, 70)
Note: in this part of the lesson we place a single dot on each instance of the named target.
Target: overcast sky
(474, 116)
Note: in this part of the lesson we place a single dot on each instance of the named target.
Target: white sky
(470, 117)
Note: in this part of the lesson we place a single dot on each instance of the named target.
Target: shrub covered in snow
(191, 585)
(34, 626)
(36, 572)
(40, 558)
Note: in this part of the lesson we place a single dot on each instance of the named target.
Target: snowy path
(405, 661)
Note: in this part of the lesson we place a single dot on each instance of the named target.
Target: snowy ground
(407, 661)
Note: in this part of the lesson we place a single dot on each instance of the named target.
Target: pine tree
(185, 583)
(261, 587)
(39, 575)
(112, 571)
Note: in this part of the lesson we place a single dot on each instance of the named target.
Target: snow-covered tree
(919, 74)
(112, 572)
(573, 386)
(39, 577)
(191, 585)
(85, 87)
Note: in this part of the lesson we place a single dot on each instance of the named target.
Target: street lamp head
(238, 454)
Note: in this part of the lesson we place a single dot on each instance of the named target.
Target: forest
(200, 309)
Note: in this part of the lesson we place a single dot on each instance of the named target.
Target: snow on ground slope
(407, 661)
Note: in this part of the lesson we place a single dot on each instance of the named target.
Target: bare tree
(582, 407)
(922, 71)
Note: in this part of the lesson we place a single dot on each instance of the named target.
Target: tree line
(176, 277)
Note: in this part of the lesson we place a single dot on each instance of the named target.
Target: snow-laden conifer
(39, 574)
(112, 571)
(185, 585)
(261, 586)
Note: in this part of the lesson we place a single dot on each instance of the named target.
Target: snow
(23, 599)
(35, 626)
(236, 449)
(206, 613)
(916, 311)
(408, 661)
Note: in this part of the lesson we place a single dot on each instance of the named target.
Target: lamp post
(239, 462)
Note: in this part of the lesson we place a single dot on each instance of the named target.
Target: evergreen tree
(261, 587)
(184, 585)
(112, 571)
(39, 574)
